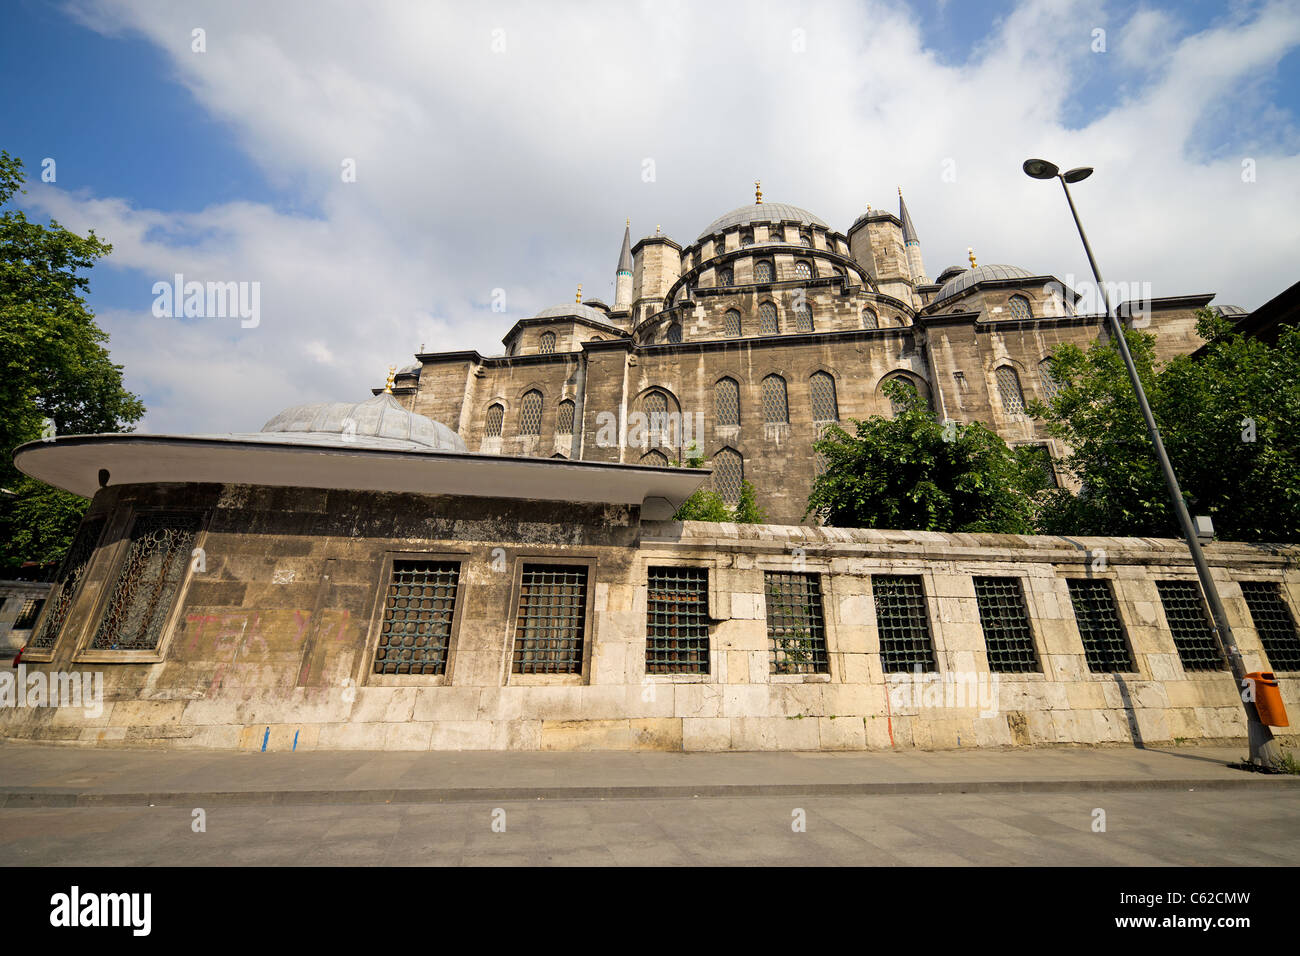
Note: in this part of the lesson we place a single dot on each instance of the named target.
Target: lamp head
(1040, 169)
(1077, 174)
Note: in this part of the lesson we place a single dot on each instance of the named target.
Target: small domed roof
(572, 309)
(378, 422)
(412, 369)
(763, 212)
(1226, 310)
(963, 281)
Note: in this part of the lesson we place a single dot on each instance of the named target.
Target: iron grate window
(824, 406)
(548, 343)
(728, 474)
(28, 614)
(726, 401)
(1020, 308)
(677, 621)
(802, 270)
(530, 413)
(1274, 623)
(869, 319)
(767, 321)
(727, 278)
(776, 411)
(675, 334)
(1104, 645)
(564, 420)
(656, 458)
(796, 632)
(69, 580)
(416, 631)
(903, 623)
(1051, 387)
(552, 619)
(151, 575)
(1013, 399)
(732, 321)
(1197, 647)
(803, 321)
(1005, 622)
(762, 271)
(496, 414)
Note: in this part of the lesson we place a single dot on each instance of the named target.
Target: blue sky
(514, 169)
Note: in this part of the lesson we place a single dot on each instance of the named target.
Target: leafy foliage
(707, 505)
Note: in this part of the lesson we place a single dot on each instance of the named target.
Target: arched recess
(776, 405)
(823, 398)
(918, 383)
(726, 401)
(728, 474)
(1010, 391)
(530, 413)
(493, 420)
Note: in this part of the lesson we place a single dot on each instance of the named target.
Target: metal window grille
(530, 413)
(418, 608)
(802, 270)
(726, 402)
(1003, 617)
(68, 581)
(719, 247)
(1013, 399)
(728, 474)
(552, 619)
(803, 318)
(805, 241)
(675, 334)
(1274, 623)
(156, 561)
(732, 321)
(28, 613)
(824, 406)
(775, 408)
(1020, 308)
(677, 621)
(564, 420)
(767, 321)
(496, 415)
(655, 458)
(762, 271)
(548, 343)
(727, 277)
(903, 623)
(1050, 385)
(746, 241)
(869, 319)
(1104, 646)
(1190, 628)
(796, 632)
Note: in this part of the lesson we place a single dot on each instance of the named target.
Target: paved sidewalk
(37, 775)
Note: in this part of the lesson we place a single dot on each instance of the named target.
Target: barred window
(418, 608)
(1051, 387)
(802, 270)
(1020, 308)
(803, 318)
(767, 320)
(1003, 617)
(903, 623)
(869, 319)
(732, 322)
(1189, 627)
(564, 418)
(728, 474)
(796, 632)
(552, 619)
(1013, 399)
(655, 406)
(495, 416)
(763, 271)
(727, 277)
(805, 241)
(677, 621)
(1104, 645)
(824, 407)
(675, 334)
(1274, 623)
(28, 614)
(775, 409)
(719, 247)
(530, 413)
(548, 343)
(67, 583)
(726, 402)
(655, 458)
(148, 582)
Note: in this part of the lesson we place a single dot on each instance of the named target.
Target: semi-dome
(763, 212)
(378, 422)
(960, 283)
(572, 309)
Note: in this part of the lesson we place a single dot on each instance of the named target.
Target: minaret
(911, 243)
(623, 283)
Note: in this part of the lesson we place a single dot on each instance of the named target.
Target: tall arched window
(726, 277)
(530, 413)
(1050, 385)
(726, 402)
(869, 318)
(564, 418)
(728, 473)
(802, 270)
(495, 416)
(732, 322)
(776, 411)
(824, 406)
(1020, 308)
(1013, 399)
(656, 458)
(656, 412)
(548, 343)
(675, 334)
(803, 317)
(895, 407)
(763, 271)
(767, 321)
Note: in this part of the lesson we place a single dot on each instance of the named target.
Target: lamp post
(1263, 749)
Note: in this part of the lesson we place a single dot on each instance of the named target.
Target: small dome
(412, 369)
(1226, 310)
(960, 283)
(378, 422)
(571, 310)
(762, 212)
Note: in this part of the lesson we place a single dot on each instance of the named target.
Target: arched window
(732, 322)
(495, 416)
(763, 271)
(869, 318)
(656, 458)
(675, 334)
(726, 402)
(802, 270)
(746, 240)
(655, 406)
(1020, 307)
(895, 407)
(805, 241)
(530, 413)
(726, 277)
(767, 321)
(595, 338)
(728, 473)
(1051, 387)
(775, 409)
(719, 247)
(564, 418)
(548, 343)
(803, 317)
(1013, 399)
(824, 407)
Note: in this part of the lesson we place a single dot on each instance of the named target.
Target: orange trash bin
(1268, 699)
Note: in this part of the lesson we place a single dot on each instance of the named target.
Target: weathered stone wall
(14, 596)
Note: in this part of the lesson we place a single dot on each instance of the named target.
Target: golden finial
(656, 229)
(758, 193)
(392, 374)
(868, 207)
(971, 252)
(628, 223)
(578, 300)
(900, 192)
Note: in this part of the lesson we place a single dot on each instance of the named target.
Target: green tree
(914, 472)
(1230, 421)
(56, 368)
(707, 505)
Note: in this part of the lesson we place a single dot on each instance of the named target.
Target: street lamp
(1263, 749)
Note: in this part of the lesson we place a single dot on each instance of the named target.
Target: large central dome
(762, 212)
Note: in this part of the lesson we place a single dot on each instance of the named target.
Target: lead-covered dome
(964, 280)
(763, 212)
(572, 309)
(378, 422)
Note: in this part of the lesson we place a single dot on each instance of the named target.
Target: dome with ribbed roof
(763, 212)
(378, 422)
(964, 280)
